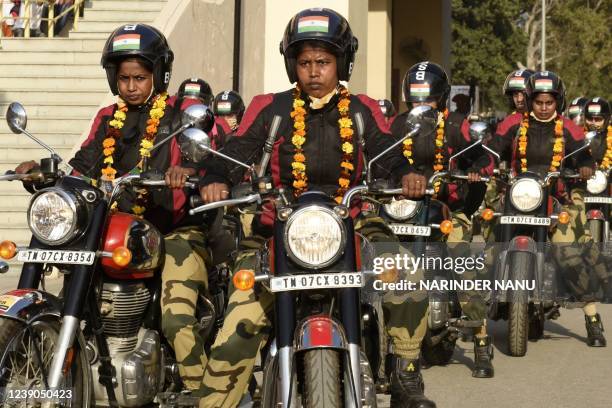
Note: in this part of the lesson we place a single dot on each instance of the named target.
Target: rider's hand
(214, 192)
(26, 167)
(473, 177)
(586, 173)
(413, 185)
(176, 176)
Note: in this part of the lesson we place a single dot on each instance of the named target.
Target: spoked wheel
(26, 353)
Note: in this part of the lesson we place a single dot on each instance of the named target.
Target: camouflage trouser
(184, 276)
(576, 254)
(472, 302)
(249, 318)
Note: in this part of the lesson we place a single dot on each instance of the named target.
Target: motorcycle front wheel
(322, 379)
(26, 352)
(518, 308)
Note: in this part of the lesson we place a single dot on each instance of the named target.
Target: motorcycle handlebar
(10, 175)
(252, 198)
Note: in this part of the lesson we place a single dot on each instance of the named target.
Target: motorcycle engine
(136, 353)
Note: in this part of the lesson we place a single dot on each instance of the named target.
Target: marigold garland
(606, 162)
(439, 151)
(298, 166)
(558, 146)
(115, 125)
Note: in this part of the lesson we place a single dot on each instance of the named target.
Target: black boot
(595, 330)
(407, 385)
(483, 354)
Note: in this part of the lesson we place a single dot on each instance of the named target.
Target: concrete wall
(379, 49)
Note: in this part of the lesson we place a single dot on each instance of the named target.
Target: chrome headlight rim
(295, 216)
(540, 192)
(415, 209)
(598, 183)
(73, 202)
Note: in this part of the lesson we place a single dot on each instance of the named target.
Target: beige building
(393, 35)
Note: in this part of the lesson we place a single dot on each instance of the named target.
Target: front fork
(349, 304)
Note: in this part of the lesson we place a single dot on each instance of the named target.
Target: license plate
(316, 281)
(406, 229)
(598, 200)
(57, 257)
(525, 220)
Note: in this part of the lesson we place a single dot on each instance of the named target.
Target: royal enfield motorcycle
(99, 343)
(527, 290)
(313, 267)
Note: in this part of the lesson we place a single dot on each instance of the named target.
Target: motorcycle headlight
(314, 237)
(526, 195)
(598, 183)
(402, 209)
(53, 216)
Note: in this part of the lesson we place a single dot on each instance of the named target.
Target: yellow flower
(299, 125)
(439, 143)
(138, 210)
(299, 157)
(298, 103)
(338, 199)
(345, 122)
(116, 124)
(346, 132)
(120, 115)
(298, 140)
(347, 147)
(299, 184)
(108, 160)
(146, 144)
(343, 182)
(298, 166)
(108, 151)
(108, 142)
(348, 166)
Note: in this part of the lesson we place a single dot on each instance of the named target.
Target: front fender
(320, 332)
(27, 304)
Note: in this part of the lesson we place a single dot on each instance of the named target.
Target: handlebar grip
(9, 173)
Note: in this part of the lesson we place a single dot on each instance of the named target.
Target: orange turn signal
(564, 217)
(8, 249)
(244, 279)
(389, 275)
(487, 214)
(122, 256)
(446, 227)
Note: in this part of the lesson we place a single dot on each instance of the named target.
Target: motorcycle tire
(322, 379)
(518, 307)
(536, 322)
(18, 339)
(440, 353)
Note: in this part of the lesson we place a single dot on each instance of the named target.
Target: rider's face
(595, 123)
(134, 81)
(544, 106)
(316, 71)
(518, 98)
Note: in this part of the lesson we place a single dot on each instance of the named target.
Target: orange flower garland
(115, 125)
(439, 152)
(558, 145)
(606, 162)
(298, 166)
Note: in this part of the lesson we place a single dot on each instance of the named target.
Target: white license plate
(598, 200)
(406, 229)
(316, 281)
(56, 257)
(524, 220)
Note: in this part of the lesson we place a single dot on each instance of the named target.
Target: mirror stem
(414, 131)
(43, 144)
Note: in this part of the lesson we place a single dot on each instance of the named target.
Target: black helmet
(426, 82)
(387, 108)
(575, 110)
(228, 103)
(516, 81)
(597, 107)
(320, 24)
(196, 88)
(142, 41)
(546, 82)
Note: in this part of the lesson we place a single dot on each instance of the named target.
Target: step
(125, 5)
(51, 44)
(39, 70)
(21, 153)
(20, 235)
(32, 97)
(14, 201)
(13, 217)
(55, 140)
(108, 26)
(38, 125)
(49, 57)
(54, 83)
(95, 14)
(88, 35)
(59, 111)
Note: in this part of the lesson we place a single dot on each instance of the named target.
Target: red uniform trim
(376, 112)
(255, 107)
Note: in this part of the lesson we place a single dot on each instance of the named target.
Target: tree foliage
(493, 37)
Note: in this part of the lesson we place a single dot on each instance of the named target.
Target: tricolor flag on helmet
(192, 89)
(543, 85)
(419, 89)
(313, 24)
(126, 42)
(594, 109)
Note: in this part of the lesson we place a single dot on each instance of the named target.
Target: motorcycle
(99, 343)
(529, 291)
(312, 265)
(422, 226)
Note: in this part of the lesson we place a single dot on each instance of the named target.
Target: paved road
(559, 371)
